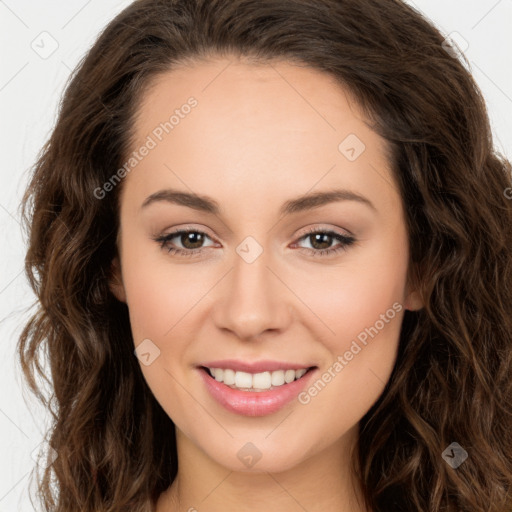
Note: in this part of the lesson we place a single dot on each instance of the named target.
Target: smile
(256, 392)
(258, 381)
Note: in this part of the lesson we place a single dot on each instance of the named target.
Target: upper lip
(254, 366)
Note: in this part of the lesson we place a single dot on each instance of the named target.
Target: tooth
(243, 380)
(278, 378)
(289, 376)
(258, 381)
(300, 373)
(261, 380)
(229, 377)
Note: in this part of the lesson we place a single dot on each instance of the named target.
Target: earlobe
(413, 301)
(116, 280)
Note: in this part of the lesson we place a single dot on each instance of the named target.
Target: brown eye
(190, 240)
(321, 241)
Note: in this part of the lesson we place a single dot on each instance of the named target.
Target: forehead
(254, 128)
(250, 94)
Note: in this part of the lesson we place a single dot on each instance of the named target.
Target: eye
(322, 239)
(192, 241)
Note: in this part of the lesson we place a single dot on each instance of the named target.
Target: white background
(30, 89)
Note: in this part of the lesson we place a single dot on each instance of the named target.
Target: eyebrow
(303, 203)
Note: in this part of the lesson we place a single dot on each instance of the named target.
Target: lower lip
(254, 403)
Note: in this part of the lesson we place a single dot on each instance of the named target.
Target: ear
(413, 300)
(116, 280)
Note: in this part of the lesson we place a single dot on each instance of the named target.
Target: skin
(259, 136)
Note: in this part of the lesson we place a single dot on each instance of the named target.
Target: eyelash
(345, 242)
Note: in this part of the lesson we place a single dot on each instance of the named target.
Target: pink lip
(254, 367)
(254, 403)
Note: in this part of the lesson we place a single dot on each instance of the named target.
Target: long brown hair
(452, 378)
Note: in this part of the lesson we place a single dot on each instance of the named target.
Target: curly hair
(452, 376)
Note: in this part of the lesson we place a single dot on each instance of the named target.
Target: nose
(252, 299)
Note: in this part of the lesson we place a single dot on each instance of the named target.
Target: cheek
(352, 298)
(161, 300)
(159, 294)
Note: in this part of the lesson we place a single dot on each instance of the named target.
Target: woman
(369, 370)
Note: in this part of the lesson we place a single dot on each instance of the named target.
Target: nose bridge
(252, 301)
(250, 274)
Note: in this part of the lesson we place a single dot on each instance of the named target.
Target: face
(295, 258)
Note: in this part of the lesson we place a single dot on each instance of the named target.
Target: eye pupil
(189, 237)
(317, 238)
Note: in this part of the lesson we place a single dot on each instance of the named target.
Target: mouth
(256, 382)
(255, 393)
